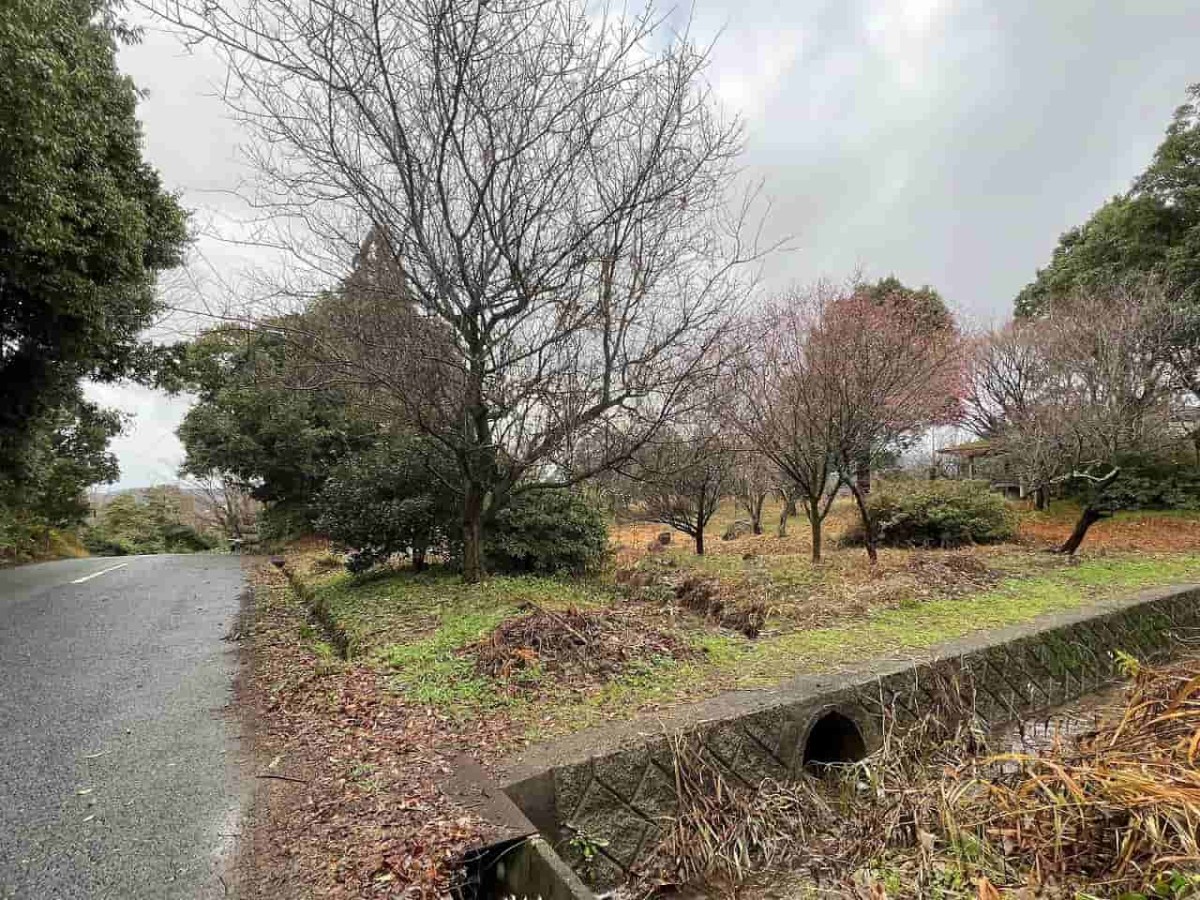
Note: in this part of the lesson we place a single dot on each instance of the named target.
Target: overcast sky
(946, 142)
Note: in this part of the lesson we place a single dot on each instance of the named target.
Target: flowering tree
(890, 369)
(779, 399)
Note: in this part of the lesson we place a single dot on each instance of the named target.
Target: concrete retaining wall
(606, 790)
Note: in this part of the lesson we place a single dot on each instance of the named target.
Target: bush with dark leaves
(940, 513)
(546, 530)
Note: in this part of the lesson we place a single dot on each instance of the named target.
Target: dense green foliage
(249, 425)
(1146, 483)
(386, 500)
(152, 523)
(85, 225)
(924, 302)
(938, 514)
(546, 530)
(1154, 229)
(42, 498)
(393, 499)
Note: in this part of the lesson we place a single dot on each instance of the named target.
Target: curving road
(118, 767)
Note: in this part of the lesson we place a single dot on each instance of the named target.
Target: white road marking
(98, 574)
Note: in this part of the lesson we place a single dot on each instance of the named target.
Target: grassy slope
(412, 626)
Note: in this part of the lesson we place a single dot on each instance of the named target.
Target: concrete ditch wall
(606, 790)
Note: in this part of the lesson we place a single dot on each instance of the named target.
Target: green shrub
(394, 499)
(546, 530)
(282, 521)
(1146, 483)
(28, 537)
(937, 514)
(384, 501)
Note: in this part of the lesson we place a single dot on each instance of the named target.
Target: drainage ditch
(591, 803)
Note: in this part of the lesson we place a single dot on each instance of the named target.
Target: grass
(914, 627)
(734, 662)
(413, 627)
(381, 609)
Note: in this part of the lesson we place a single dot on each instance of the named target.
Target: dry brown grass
(1120, 804)
(743, 583)
(1151, 532)
(1112, 811)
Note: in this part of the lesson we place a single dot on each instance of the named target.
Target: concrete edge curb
(518, 863)
(612, 786)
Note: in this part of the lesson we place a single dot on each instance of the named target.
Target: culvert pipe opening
(833, 740)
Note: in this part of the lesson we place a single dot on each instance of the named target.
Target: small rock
(664, 538)
(738, 529)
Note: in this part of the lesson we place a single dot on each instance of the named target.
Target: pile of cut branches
(952, 574)
(577, 647)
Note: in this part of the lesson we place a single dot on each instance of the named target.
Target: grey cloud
(947, 142)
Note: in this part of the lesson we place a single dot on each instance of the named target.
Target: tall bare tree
(681, 477)
(1008, 372)
(754, 478)
(553, 189)
(222, 505)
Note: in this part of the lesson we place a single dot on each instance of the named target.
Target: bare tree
(779, 400)
(891, 370)
(224, 506)
(551, 189)
(1064, 397)
(754, 478)
(785, 490)
(683, 476)
(1008, 376)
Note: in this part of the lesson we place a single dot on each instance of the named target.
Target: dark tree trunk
(473, 534)
(1091, 513)
(756, 511)
(862, 476)
(700, 542)
(419, 559)
(817, 527)
(868, 522)
(1041, 498)
(1090, 517)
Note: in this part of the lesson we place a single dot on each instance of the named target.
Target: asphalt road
(118, 757)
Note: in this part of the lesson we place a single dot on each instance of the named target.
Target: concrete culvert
(833, 739)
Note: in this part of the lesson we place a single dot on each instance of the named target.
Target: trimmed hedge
(940, 513)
